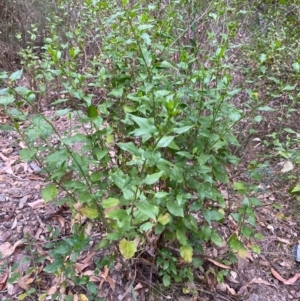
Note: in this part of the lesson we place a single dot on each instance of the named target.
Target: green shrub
(151, 127)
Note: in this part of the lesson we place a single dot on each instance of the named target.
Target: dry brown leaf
(138, 286)
(94, 279)
(106, 278)
(7, 151)
(14, 224)
(22, 283)
(118, 267)
(81, 266)
(37, 204)
(52, 290)
(4, 159)
(283, 240)
(88, 258)
(60, 219)
(22, 201)
(35, 177)
(290, 281)
(3, 280)
(221, 265)
(88, 228)
(111, 283)
(7, 249)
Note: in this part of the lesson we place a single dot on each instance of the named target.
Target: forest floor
(27, 223)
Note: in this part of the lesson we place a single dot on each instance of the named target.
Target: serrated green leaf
(129, 147)
(206, 232)
(153, 178)
(234, 243)
(26, 154)
(258, 236)
(296, 188)
(256, 249)
(146, 226)
(6, 100)
(184, 154)
(161, 194)
(212, 215)
(6, 128)
(216, 238)
(127, 248)
(118, 92)
(128, 109)
(118, 214)
(165, 64)
(175, 209)
(166, 280)
(164, 219)
(164, 141)
(181, 236)
(247, 231)
(92, 111)
(186, 252)
(109, 203)
(52, 268)
(238, 186)
(289, 88)
(89, 212)
(236, 216)
(148, 209)
(102, 243)
(49, 193)
(16, 75)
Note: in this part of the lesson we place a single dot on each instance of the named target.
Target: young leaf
(127, 248)
(110, 202)
(50, 192)
(164, 219)
(89, 212)
(186, 252)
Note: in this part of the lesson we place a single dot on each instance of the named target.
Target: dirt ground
(26, 223)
